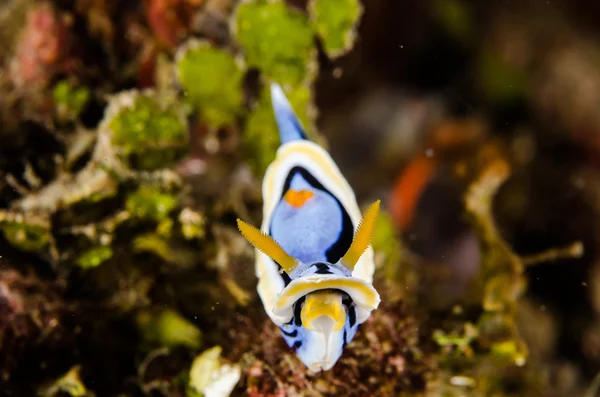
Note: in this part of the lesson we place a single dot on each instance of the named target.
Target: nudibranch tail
(362, 237)
(267, 245)
(290, 128)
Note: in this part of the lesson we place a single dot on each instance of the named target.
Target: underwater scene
(272, 198)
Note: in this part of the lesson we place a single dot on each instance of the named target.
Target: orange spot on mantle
(297, 198)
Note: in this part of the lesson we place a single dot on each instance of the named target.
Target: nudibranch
(314, 261)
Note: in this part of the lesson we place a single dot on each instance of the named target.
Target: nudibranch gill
(314, 261)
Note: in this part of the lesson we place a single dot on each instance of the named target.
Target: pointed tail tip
(290, 128)
(277, 95)
(275, 86)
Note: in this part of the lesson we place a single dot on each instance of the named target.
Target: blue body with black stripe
(317, 233)
(314, 272)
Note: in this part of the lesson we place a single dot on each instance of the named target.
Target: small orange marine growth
(450, 136)
(297, 198)
(409, 187)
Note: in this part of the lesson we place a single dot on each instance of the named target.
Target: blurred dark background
(522, 74)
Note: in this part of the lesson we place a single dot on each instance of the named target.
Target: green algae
(502, 271)
(192, 224)
(149, 135)
(70, 384)
(385, 241)
(167, 328)
(261, 135)
(276, 39)
(168, 249)
(511, 351)
(460, 340)
(212, 81)
(501, 291)
(25, 235)
(94, 257)
(335, 23)
(149, 202)
(395, 264)
(69, 100)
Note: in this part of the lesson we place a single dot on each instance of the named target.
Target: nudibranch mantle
(314, 261)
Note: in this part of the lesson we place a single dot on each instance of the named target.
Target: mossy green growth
(148, 135)
(261, 136)
(212, 80)
(460, 340)
(149, 202)
(69, 384)
(192, 224)
(278, 40)
(501, 292)
(167, 249)
(500, 334)
(69, 100)
(94, 257)
(168, 328)
(513, 351)
(26, 236)
(335, 22)
(385, 241)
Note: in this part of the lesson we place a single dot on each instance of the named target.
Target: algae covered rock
(94, 256)
(335, 23)
(276, 39)
(26, 233)
(147, 132)
(69, 100)
(139, 131)
(149, 202)
(212, 81)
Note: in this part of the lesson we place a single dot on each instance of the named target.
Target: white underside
(324, 345)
